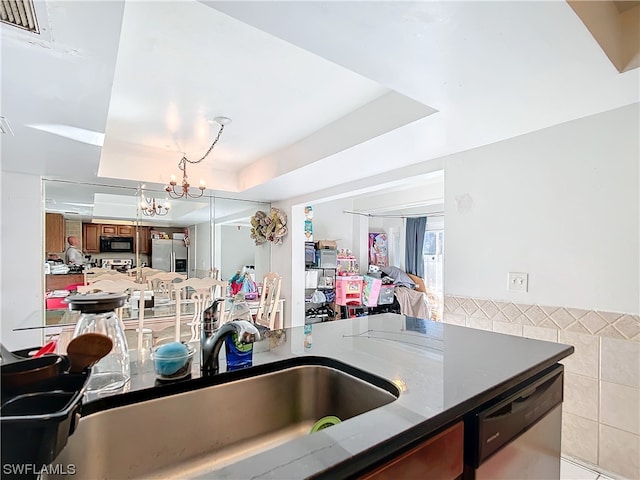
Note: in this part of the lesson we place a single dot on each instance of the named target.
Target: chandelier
(151, 208)
(185, 188)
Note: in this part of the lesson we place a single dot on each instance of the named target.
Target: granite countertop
(444, 372)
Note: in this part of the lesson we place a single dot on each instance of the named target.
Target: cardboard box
(326, 244)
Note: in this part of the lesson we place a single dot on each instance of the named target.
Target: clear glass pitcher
(98, 315)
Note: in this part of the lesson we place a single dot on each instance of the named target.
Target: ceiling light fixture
(151, 208)
(184, 190)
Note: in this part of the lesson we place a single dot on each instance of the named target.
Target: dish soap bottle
(239, 355)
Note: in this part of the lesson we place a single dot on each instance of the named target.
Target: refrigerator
(169, 255)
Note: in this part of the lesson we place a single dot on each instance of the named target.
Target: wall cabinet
(54, 233)
(441, 456)
(91, 237)
(143, 241)
(91, 233)
(118, 230)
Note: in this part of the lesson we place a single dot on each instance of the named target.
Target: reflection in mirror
(116, 232)
(235, 250)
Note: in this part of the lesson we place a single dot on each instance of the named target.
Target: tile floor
(572, 471)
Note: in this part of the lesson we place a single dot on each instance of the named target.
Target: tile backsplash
(601, 419)
(589, 322)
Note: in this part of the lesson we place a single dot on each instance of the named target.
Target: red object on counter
(47, 348)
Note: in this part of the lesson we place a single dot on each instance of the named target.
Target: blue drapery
(413, 261)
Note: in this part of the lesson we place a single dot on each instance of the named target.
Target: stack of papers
(59, 294)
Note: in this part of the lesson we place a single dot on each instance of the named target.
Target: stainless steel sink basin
(209, 426)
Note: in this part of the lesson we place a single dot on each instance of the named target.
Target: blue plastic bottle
(239, 355)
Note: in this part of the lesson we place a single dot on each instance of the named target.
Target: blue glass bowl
(172, 362)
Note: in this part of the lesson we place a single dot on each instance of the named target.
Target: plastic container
(36, 420)
(327, 258)
(171, 363)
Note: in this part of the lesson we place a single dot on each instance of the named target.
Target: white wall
(561, 204)
(237, 249)
(21, 259)
(202, 250)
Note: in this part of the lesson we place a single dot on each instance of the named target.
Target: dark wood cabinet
(91, 237)
(91, 233)
(54, 241)
(441, 456)
(143, 241)
(59, 282)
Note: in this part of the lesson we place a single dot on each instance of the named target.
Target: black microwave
(116, 244)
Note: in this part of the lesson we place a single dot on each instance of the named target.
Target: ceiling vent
(5, 128)
(19, 13)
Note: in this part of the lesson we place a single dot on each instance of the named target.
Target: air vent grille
(19, 13)
(5, 128)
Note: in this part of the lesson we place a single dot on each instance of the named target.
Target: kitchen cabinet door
(109, 230)
(142, 239)
(126, 231)
(91, 237)
(54, 233)
(441, 456)
(118, 230)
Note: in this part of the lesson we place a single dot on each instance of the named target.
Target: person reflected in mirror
(73, 255)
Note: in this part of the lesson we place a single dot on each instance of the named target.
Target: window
(433, 257)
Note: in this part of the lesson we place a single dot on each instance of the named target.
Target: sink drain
(325, 422)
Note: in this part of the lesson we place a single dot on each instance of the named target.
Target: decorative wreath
(271, 227)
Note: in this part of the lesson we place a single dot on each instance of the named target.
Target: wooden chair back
(141, 273)
(269, 298)
(105, 275)
(120, 285)
(200, 292)
(163, 283)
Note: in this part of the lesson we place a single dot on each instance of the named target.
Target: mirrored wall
(124, 227)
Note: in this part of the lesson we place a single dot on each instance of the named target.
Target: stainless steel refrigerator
(169, 255)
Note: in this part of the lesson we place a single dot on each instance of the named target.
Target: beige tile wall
(601, 411)
(72, 227)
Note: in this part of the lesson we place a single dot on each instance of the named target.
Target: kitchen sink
(219, 420)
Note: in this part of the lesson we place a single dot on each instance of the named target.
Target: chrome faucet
(210, 345)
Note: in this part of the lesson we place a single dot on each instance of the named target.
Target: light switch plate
(518, 282)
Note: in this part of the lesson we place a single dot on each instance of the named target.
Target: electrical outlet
(518, 282)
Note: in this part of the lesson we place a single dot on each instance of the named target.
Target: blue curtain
(413, 248)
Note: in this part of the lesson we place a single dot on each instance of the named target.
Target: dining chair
(269, 299)
(121, 286)
(105, 274)
(162, 284)
(214, 273)
(141, 273)
(200, 293)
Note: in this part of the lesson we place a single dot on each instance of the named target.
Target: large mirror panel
(117, 227)
(235, 251)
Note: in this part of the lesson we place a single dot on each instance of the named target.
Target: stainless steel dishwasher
(518, 436)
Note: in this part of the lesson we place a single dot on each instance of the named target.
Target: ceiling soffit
(615, 26)
(289, 107)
